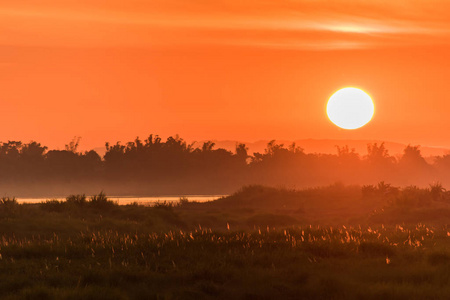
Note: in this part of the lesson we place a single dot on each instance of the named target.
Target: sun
(350, 108)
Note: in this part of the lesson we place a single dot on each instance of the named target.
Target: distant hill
(328, 146)
(100, 150)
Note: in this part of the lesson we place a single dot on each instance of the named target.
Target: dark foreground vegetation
(335, 242)
(154, 167)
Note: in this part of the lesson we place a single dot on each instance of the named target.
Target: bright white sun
(350, 108)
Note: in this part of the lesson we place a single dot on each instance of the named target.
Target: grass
(95, 249)
(301, 262)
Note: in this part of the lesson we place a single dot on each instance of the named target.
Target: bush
(9, 206)
(100, 201)
(77, 200)
(413, 196)
(167, 205)
(52, 205)
(6, 201)
(183, 201)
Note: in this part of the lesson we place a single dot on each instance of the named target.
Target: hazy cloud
(298, 24)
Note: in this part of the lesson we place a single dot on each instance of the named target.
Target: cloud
(302, 24)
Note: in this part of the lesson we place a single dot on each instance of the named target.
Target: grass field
(260, 243)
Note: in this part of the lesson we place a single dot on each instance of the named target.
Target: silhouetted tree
(437, 191)
(242, 153)
(175, 162)
(413, 167)
(412, 157)
(347, 155)
(73, 145)
(379, 163)
(377, 155)
(208, 146)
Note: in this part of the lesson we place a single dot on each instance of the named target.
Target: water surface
(140, 200)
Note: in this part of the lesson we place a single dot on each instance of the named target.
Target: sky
(242, 70)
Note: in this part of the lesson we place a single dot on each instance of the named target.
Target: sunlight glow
(350, 108)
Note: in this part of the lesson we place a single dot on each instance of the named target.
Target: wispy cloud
(300, 24)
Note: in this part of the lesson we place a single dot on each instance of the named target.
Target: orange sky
(242, 70)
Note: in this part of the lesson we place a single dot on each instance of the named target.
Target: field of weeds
(301, 262)
(94, 249)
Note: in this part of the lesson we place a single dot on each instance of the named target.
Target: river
(124, 200)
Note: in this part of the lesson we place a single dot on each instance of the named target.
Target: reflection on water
(139, 200)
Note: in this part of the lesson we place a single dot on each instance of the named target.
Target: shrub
(77, 200)
(412, 196)
(100, 201)
(52, 205)
(6, 201)
(163, 205)
(9, 206)
(183, 201)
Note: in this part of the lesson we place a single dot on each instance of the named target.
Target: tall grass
(92, 248)
(310, 262)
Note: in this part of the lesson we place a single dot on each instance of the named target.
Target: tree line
(174, 161)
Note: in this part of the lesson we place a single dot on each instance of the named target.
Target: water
(140, 200)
